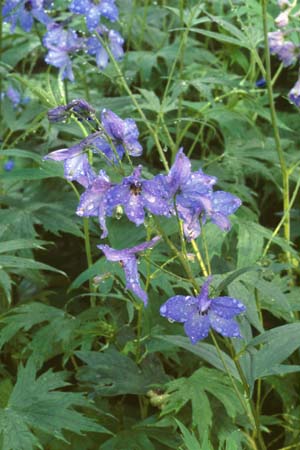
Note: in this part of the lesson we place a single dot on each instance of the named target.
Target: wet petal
(197, 327)
(179, 308)
(134, 209)
(226, 327)
(180, 171)
(227, 307)
(133, 279)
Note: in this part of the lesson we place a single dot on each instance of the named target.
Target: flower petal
(179, 308)
(227, 307)
(226, 327)
(180, 171)
(197, 327)
(133, 278)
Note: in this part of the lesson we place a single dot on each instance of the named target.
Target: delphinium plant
(160, 160)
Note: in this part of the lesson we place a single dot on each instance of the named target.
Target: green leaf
(5, 284)
(276, 346)
(49, 170)
(194, 389)
(113, 373)
(249, 246)
(18, 262)
(18, 244)
(129, 440)
(20, 153)
(236, 274)
(35, 403)
(205, 351)
(189, 438)
(222, 37)
(20, 49)
(25, 317)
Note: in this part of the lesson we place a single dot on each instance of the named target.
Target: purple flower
(222, 205)
(194, 197)
(14, 96)
(93, 201)
(81, 108)
(115, 42)
(100, 144)
(135, 194)
(261, 83)
(201, 313)
(192, 192)
(128, 259)
(9, 165)
(282, 19)
(24, 12)
(285, 50)
(294, 94)
(76, 164)
(95, 47)
(93, 10)
(124, 133)
(276, 41)
(60, 44)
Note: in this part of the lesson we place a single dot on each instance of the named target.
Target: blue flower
(261, 83)
(193, 197)
(115, 42)
(286, 51)
(93, 10)
(192, 192)
(81, 108)
(201, 313)
(76, 164)
(24, 12)
(124, 133)
(93, 201)
(14, 96)
(128, 259)
(61, 43)
(9, 165)
(136, 194)
(222, 205)
(294, 94)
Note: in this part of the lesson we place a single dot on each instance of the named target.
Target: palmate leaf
(35, 404)
(194, 389)
(112, 373)
(25, 317)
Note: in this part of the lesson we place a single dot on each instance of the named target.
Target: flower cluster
(183, 193)
(61, 41)
(287, 51)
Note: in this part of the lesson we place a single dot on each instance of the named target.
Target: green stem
(86, 231)
(180, 256)
(244, 400)
(283, 219)
(87, 246)
(280, 153)
(199, 257)
(135, 102)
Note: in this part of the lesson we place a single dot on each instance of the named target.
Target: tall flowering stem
(86, 230)
(280, 152)
(134, 101)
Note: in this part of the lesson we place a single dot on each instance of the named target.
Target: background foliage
(108, 376)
